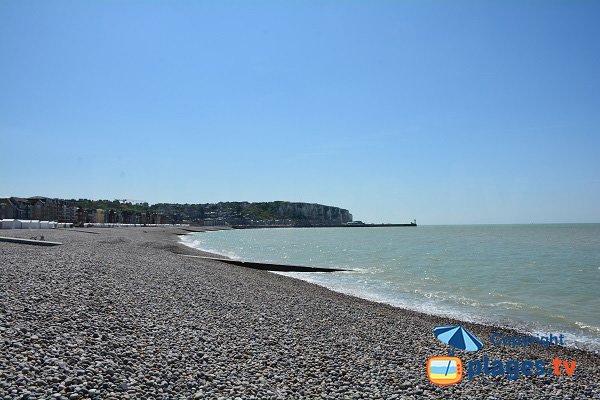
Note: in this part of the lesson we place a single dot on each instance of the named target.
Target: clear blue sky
(448, 112)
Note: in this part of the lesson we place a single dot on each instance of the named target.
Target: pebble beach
(125, 314)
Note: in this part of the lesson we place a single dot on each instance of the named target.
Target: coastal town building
(66, 211)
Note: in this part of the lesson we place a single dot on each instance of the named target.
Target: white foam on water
(188, 240)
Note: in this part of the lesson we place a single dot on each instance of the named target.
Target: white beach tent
(44, 224)
(10, 224)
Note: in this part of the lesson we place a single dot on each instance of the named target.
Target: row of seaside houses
(48, 209)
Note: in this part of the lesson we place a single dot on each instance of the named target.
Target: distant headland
(240, 214)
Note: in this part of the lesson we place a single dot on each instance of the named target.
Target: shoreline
(518, 328)
(121, 315)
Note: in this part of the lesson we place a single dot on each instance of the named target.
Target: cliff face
(257, 214)
(313, 214)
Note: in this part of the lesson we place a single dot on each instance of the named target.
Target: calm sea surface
(538, 278)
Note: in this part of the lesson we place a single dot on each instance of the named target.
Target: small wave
(511, 305)
(196, 244)
(587, 327)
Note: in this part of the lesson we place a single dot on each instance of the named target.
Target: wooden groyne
(268, 266)
(29, 241)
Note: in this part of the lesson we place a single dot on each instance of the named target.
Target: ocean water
(539, 279)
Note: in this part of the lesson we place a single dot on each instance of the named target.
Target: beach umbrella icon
(458, 337)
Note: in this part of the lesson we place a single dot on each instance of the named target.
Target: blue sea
(540, 279)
